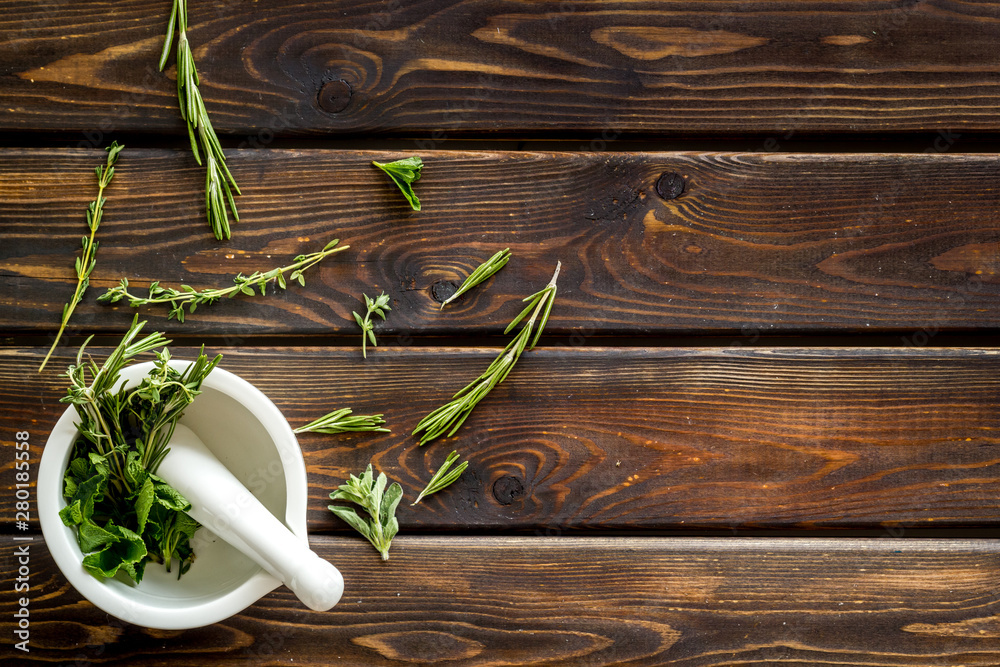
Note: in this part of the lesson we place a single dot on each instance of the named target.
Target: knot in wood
(670, 185)
(507, 489)
(442, 289)
(334, 96)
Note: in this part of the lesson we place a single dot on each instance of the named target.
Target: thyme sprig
(442, 478)
(342, 421)
(218, 179)
(188, 296)
(86, 262)
(378, 305)
(378, 502)
(482, 273)
(446, 419)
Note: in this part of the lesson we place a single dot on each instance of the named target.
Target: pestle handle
(222, 504)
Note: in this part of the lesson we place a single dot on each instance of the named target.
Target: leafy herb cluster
(370, 494)
(124, 514)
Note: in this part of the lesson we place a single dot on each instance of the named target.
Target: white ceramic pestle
(222, 504)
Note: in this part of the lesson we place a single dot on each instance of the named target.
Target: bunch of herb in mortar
(124, 514)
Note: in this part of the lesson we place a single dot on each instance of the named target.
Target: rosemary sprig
(449, 417)
(188, 296)
(218, 179)
(378, 306)
(442, 477)
(341, 421)
(482, 272)
(379, 503)
(86, 262)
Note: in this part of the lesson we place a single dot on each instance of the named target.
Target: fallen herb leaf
(404, 173)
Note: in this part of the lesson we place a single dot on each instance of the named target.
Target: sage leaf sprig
(379, 503)
(86, 262)
(191, 298)
(446, 419)
(219, 182)
(404, 173)
(482, 273)
(342, 421)
(442, 478)
(124, 515)
(378, 306)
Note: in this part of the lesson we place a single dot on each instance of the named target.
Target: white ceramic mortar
(251, 437)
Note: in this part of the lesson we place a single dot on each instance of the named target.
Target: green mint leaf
(129, 549)
(170, 498)
(92, 537)
(72, 514)
(143, 503)
(404, 173)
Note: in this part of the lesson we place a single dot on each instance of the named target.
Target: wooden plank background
(611, 601)
(754, 244)
(671, 439)
(442, 68)
(577, 536)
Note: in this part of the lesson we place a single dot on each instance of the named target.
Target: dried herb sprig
(442, 478)
(446, 419)
(404, 173)
(379, 503)
(188, 296)
(482, 273)
(342, 421)
(218, 179)
(378, 305)
(85, 263)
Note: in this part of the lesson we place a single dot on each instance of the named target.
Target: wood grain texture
(754, 243)
(613, 601)
(440, 68)
(613, 439)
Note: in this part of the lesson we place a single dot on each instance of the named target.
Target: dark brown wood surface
(736, 438)
(627, 501)
(535, 600)
(754, 244)
(440, 68)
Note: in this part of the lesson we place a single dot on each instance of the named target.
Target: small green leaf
(143, 503)
(72, 514)
(169, 497)
(92, 537)
(404, 173)
(352, 518)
